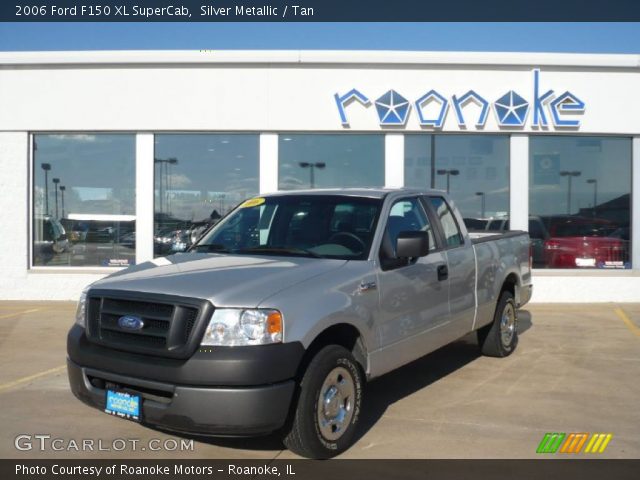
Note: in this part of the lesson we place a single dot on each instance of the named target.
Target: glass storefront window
(579, 201)
(84, 200)
(328, 161)
(199, 178)
(474, 169)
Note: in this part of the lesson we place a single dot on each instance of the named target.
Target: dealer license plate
(123, 404)
(585, 262)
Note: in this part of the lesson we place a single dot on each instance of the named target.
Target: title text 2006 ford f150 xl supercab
(277, 316)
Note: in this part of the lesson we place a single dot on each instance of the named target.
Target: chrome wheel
(507, 324)
(335, 403)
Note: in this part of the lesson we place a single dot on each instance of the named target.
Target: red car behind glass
(584, 242)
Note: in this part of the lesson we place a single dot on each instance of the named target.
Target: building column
(15, 185)
(394, 160)
(268, 162)
(144, 196)
(519, 182)
(635, 203)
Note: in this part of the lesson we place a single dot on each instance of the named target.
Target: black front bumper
(219, 391)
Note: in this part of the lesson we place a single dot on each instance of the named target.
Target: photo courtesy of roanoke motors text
(319, 239)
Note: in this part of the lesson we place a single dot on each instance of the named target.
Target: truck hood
(225, 280)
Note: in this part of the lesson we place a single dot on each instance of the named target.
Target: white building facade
(112, 158)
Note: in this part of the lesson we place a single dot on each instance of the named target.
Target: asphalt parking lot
(576, 369)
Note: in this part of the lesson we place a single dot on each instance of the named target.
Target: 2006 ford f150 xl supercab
(277, 316)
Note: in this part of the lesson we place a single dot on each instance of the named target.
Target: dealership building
(108, 159)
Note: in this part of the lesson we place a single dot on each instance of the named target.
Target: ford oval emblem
(129, 322)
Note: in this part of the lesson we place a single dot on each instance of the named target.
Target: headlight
(82, 308)
(234, 326)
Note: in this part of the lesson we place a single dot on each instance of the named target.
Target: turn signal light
(274, 323)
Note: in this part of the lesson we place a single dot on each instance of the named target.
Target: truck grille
(171, 326)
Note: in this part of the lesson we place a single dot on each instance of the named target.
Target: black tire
(305, 436)
(491, 339)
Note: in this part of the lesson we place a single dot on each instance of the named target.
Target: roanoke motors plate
(123, 404)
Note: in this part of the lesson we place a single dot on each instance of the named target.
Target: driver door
(413, 293)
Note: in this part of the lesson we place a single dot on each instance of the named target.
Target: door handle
(443, 272)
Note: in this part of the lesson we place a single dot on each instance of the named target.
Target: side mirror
(412, 244)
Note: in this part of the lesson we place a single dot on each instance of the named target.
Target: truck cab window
(406, 215)
(451, 231)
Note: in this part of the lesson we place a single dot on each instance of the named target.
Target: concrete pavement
(576, 369)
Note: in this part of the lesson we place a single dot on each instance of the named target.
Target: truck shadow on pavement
(389, 388)
(394, 386)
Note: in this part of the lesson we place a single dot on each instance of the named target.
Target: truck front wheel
(328, 407)
(499, 338)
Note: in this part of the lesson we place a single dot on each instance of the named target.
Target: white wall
(588, 288)
(284, 98)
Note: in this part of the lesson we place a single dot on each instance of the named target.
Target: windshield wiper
(281, 250)
(213, 247)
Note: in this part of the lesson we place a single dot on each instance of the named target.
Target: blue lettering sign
(511, 109)
(342, 101)
(569, 103)
(427, 98)
(470, 96)
(539, 117)
(393, 108)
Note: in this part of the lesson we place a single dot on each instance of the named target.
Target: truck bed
(481, 236)
(499, 254)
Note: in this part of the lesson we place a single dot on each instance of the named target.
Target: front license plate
(123, 404)
(585, 262)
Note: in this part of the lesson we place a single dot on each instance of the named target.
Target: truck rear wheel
(500, 338)
(328, 408)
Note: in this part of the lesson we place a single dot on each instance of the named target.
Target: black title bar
(320, 11)
(541, 469)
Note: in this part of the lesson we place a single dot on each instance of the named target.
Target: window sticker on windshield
(252, 202)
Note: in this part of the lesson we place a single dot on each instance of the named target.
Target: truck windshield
(321, 226)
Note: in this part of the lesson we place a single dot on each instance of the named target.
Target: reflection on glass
(84, 200)
(321, 226)
(579, 199)
(473, 169)
(450, 229)
(199, 178)
(328, 161)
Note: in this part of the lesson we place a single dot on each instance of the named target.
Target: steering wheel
(351, 240)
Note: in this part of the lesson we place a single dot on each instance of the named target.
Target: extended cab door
(461, 266)
(413, 293)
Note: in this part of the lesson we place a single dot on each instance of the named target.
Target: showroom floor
(577, 369)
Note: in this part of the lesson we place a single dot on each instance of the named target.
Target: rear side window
(495, 225)
(535, 230)
(583, 230)
(451, 231)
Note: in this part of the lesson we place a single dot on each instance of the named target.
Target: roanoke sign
(511, 109)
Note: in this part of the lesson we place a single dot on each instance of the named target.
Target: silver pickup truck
(279, 314)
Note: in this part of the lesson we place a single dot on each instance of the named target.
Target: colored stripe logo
(598, 443)
(550, 442)
(574, 442)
